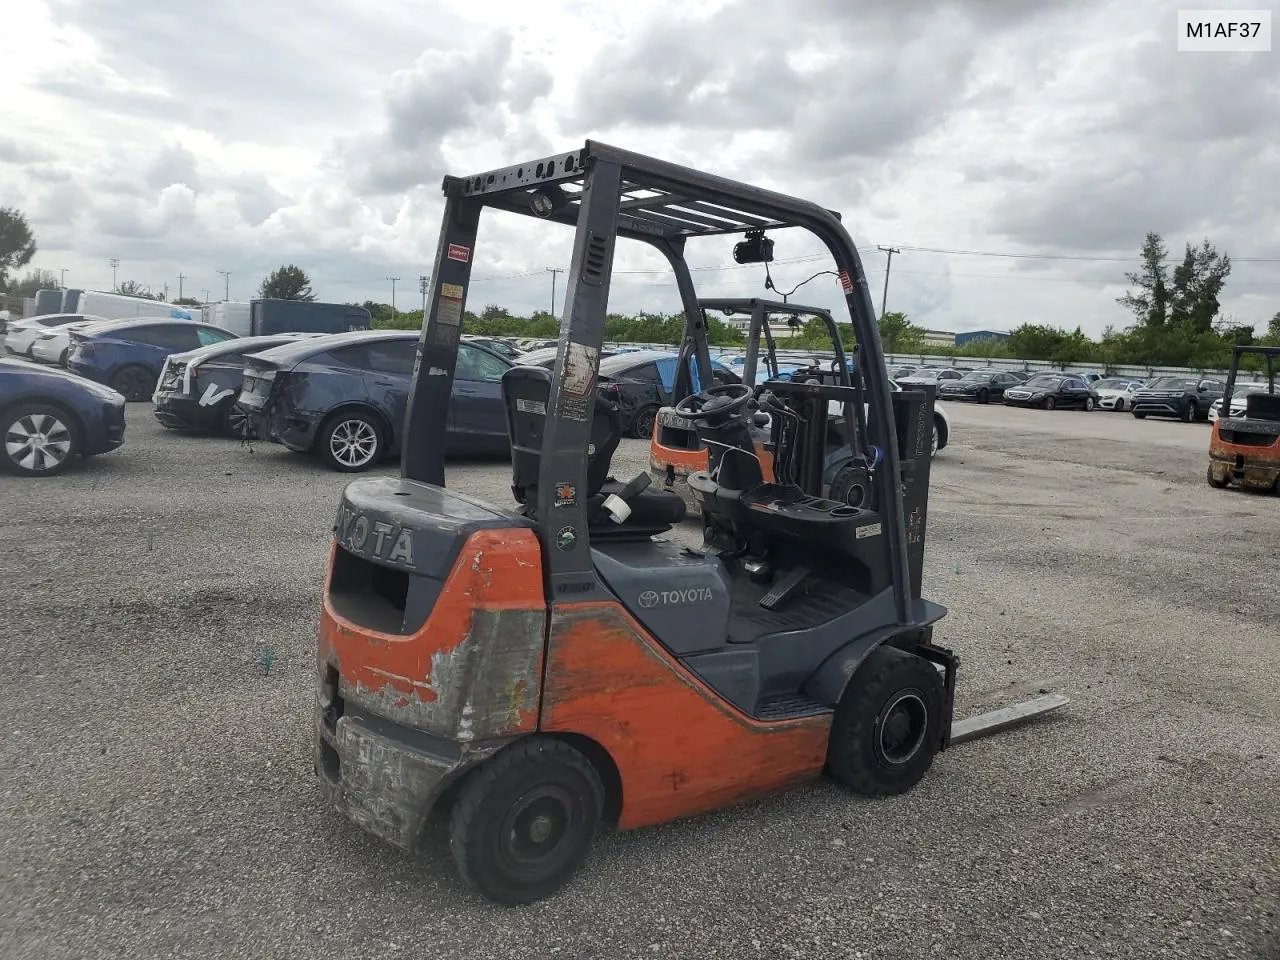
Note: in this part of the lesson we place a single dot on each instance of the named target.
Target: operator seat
(526, 392)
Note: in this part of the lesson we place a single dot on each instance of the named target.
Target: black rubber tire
(134, 382)
(14, 417)
(642, 425)
(940, 436)
(1139, 416)
(1088, 404)
(983, 396)
(62, 357)
(230, 422)
(348, 420)
(1188, 411)
(1050, 403)
(852, 486)
(889, 677)
(1217, 484)
(483, 833)
(1119, 407)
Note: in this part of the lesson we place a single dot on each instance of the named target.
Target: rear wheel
(350, 441)
(525, 821)
(1050, 403)
(983, 396)
(1188, 411)
(886, 728)
(642, 426)
(1139, 416)
(231, 419)
(38, 440)
(1088, 403)
(133, 382)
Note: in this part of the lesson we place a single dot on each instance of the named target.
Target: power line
(1064, 256)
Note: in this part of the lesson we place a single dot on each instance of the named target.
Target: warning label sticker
(460, 253)
(451, 290)
(579, 369)
(846, 282)
(449, 313)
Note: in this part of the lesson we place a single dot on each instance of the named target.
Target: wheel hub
(536, 827)
(37, 442)
(903, 727)
(353, 443)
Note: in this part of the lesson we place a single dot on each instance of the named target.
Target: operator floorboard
(819, 601)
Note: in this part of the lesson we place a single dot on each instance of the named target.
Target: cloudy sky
(1047, 136)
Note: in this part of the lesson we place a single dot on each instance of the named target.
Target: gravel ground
(159, 801)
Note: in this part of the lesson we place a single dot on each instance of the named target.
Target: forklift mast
(605, 193)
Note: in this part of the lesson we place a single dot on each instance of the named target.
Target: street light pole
(422, 286)
(115, 263)
(393, 294)
(884, 300)
(64, 277)
(226, 275)
(553, 271)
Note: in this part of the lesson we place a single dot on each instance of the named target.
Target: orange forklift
(1244, 445)
(536, 671)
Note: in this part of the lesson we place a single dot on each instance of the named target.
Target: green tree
(286, 283)
(1272, 339)
(898, 335)
(132, 288)
(1197, 286)
(1150, 304)
(17, 244)
(186, 302)
(32, 281)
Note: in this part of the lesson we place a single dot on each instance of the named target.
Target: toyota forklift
(529, 673)
(675, 450)
(1244, 445)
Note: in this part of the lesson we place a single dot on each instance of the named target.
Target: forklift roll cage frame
(605, 192)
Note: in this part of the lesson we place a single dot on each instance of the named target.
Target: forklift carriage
(1244, 448)
(535, 672)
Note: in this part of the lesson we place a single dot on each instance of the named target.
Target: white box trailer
(117, 306)
(230, 315)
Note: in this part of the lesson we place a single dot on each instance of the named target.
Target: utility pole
(166, 292)
(884, 301)
(553, 271)
(206, 296)
(181, 277)
(393, 294)
(64, 277)
(226, 275)
(115, 263)
(422, 285)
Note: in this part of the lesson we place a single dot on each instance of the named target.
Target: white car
(22, 334)
(51, 345)
(1116, 393)
(1238, 395)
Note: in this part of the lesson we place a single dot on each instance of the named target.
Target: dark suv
(344, 396)
(1182, 397)
(128, 355)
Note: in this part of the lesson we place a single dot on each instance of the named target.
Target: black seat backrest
(737, 469)
(525, 392)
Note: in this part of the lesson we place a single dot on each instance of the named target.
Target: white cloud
(235, 137)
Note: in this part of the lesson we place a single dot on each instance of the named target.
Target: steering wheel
(722, 401)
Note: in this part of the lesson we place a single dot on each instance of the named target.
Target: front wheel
(887, 726)
(1189, 411)
(1088, 404)
(350, 442)
(1139, 416)
(983, 396)
(1217, 484)
(1120, 405)
(232, 421)
(525, 821)
(39, 440)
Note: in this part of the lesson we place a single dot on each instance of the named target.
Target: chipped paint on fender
(461, 675)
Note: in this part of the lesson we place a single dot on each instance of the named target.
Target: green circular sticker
(566, 538)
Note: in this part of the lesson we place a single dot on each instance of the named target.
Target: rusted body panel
(417, 709)
(1253, 464)
(679, 748)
